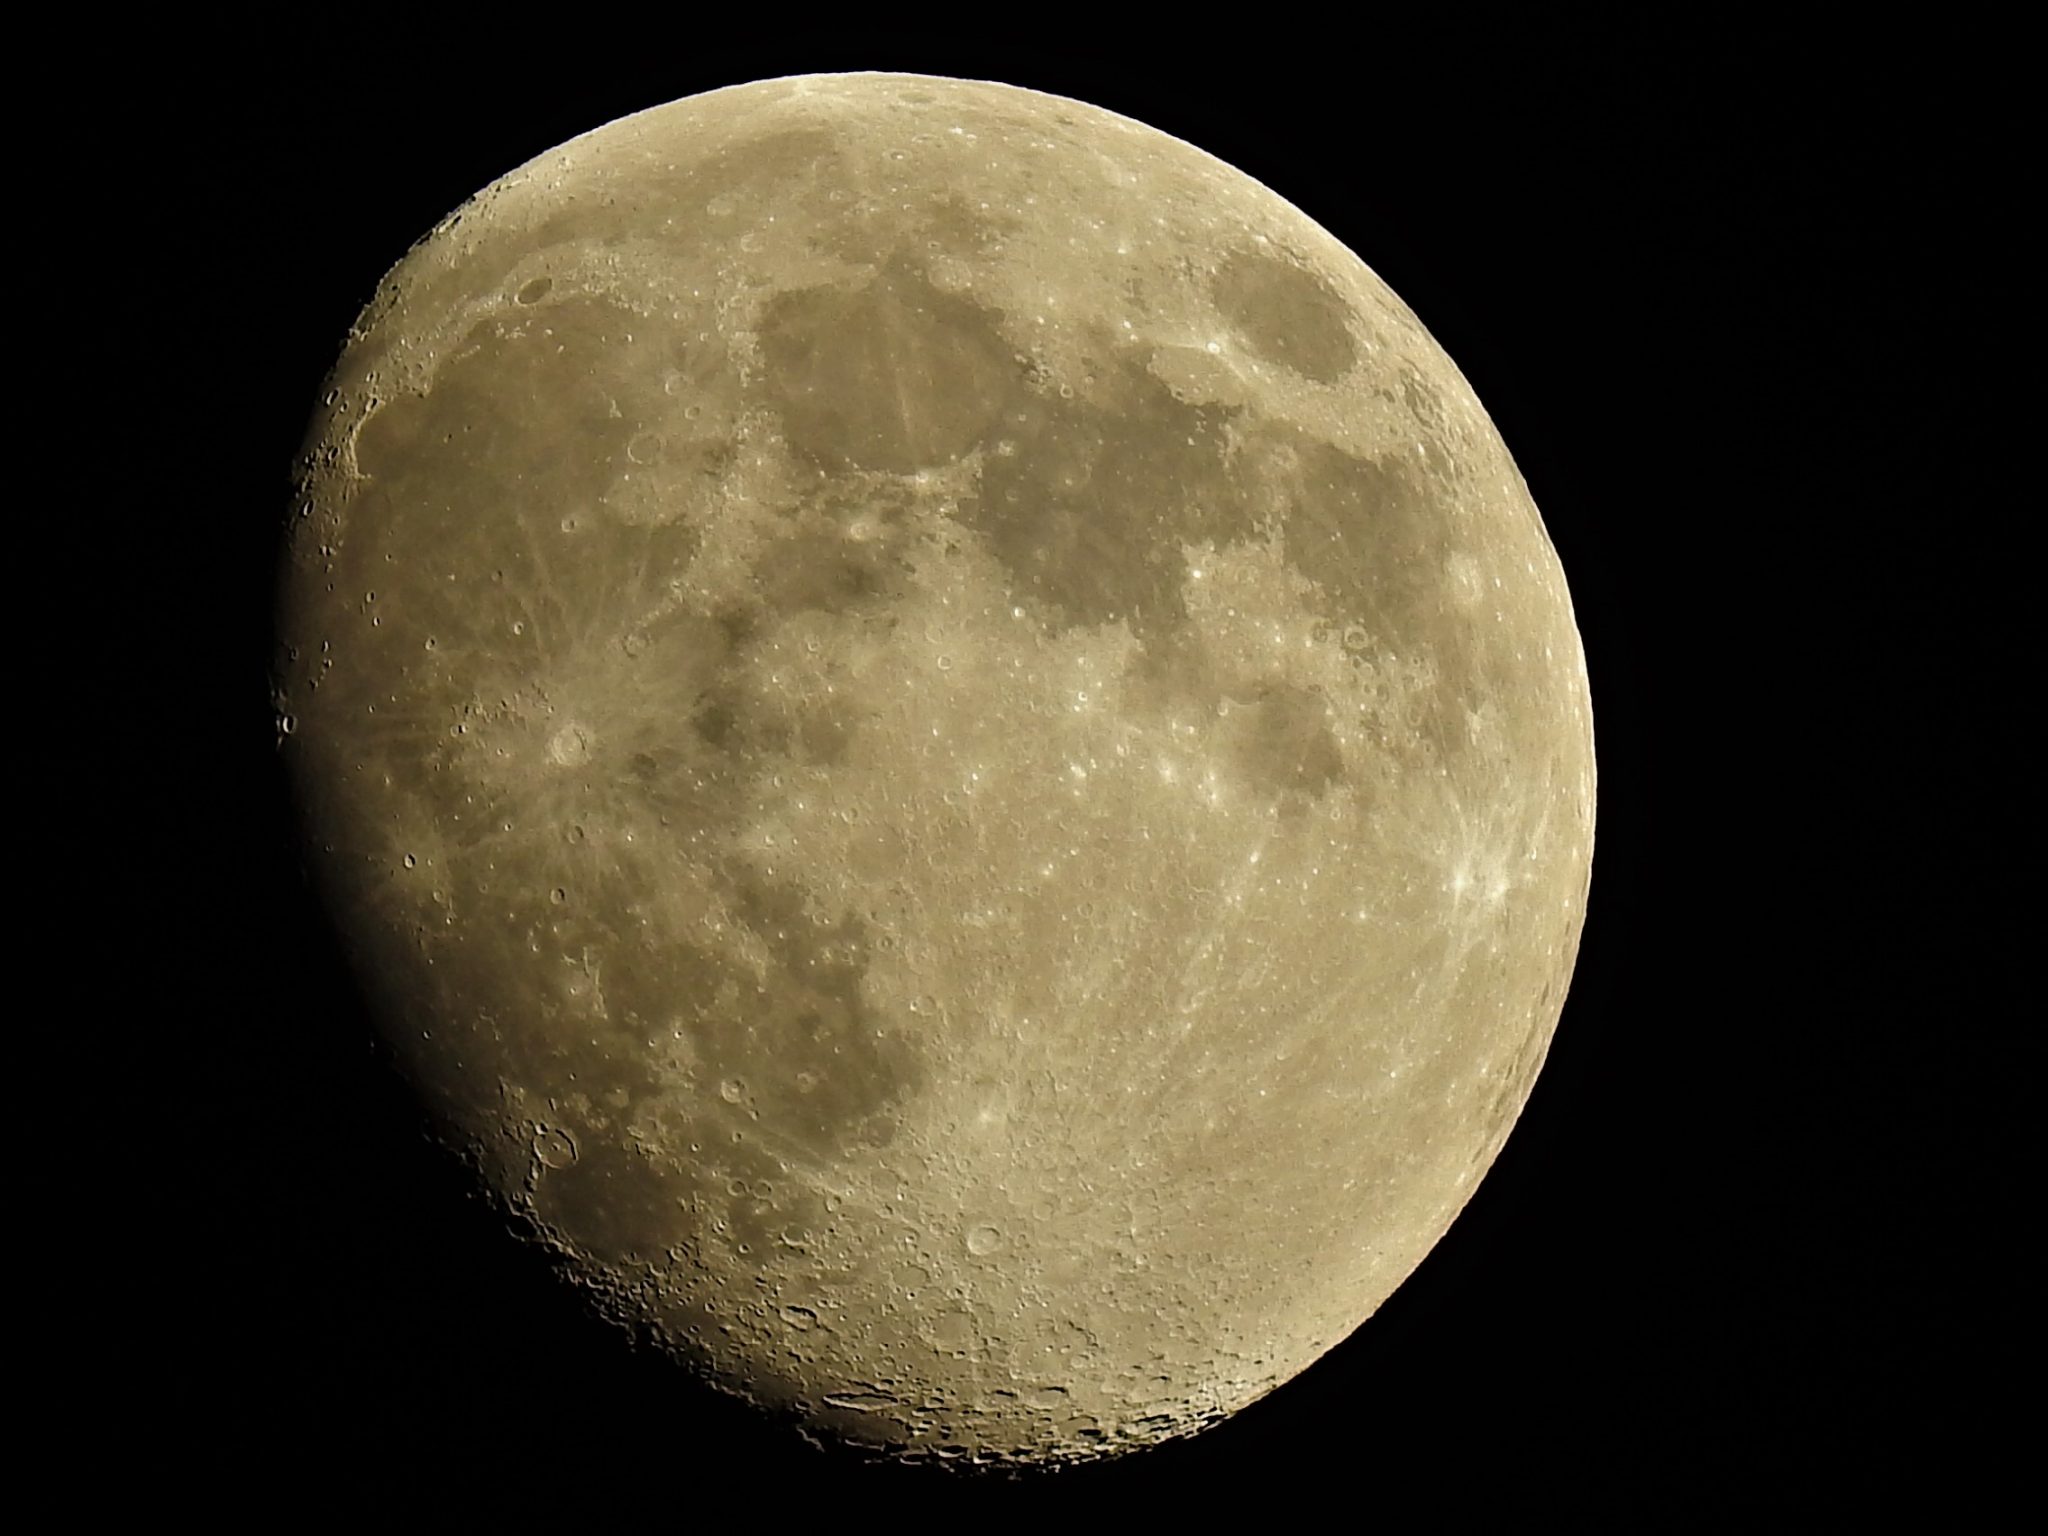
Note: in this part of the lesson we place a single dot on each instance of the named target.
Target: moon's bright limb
(951, 746)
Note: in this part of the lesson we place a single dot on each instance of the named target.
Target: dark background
(1717, 292)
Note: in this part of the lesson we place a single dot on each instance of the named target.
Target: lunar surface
(950, 750)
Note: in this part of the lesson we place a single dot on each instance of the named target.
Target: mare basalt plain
(949, 748)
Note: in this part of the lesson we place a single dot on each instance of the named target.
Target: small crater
(803, 1319)
(570, 746)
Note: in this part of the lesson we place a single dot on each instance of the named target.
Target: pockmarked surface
(950, 748)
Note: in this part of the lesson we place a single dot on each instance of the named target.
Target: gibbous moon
(950, 749)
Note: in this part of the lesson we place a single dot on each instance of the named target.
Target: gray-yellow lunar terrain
(950, 748)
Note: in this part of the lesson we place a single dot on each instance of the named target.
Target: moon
(949, 748)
